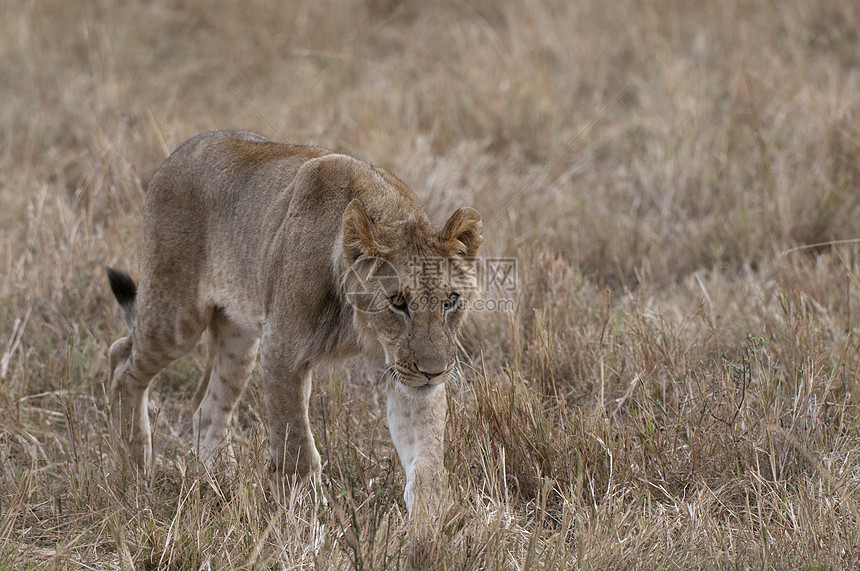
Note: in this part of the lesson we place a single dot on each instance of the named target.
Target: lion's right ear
(359, 237)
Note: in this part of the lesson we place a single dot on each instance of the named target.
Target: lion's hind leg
(232, 354)
(132, 368)
(128, 404)
(162, 331)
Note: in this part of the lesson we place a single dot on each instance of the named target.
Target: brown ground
(678, 385)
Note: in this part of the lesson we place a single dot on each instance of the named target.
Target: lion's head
(411, 286)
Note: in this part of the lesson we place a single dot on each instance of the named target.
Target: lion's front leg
(416, 419)
(292, 451)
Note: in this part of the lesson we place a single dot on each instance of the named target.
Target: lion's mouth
(414, 380)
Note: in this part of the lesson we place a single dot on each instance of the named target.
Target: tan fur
(266, 245)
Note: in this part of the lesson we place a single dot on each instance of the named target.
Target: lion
(305, 256)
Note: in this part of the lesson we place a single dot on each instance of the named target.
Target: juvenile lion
(309, 256)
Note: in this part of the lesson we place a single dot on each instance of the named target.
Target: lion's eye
(398, 302)
(451, 302)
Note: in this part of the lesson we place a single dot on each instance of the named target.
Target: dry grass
(675, 389)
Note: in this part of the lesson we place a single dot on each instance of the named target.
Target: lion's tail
(125, 291)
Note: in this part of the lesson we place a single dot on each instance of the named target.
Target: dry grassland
(678, 386)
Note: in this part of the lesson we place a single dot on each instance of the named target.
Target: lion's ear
(462, 233)
(359, 236)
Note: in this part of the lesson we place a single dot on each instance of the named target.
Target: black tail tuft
(125, 291)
